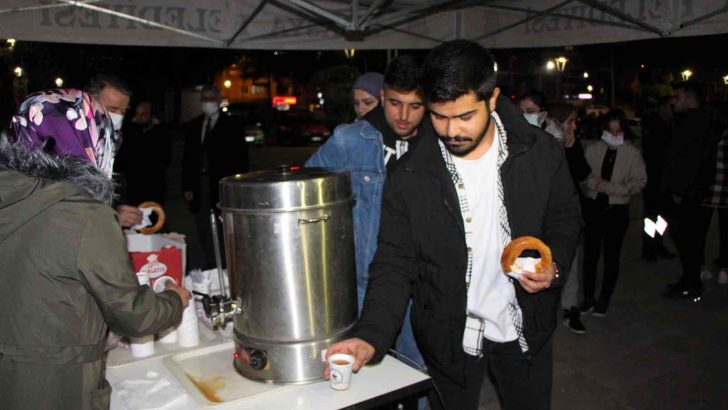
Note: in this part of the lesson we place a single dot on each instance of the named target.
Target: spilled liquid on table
(209, 386)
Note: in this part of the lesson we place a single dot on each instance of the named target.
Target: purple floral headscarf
(67, 122)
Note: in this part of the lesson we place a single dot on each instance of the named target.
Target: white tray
(121, 356)
(212, 370)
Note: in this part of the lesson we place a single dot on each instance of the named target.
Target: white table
(372, 386)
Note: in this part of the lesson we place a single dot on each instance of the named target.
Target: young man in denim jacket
(368, 149)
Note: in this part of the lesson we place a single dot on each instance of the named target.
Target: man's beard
(463, 150)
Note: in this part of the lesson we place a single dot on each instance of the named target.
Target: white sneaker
(723, 277)
(705, 273)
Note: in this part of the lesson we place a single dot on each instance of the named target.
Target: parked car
(253, 118)
(300, 127)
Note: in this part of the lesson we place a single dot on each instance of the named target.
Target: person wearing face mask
(617, 173)
(535, 110)
(66, 273)
(214, 148)
(144, 138)
(114, 95)
(565, 115)
(365, 92)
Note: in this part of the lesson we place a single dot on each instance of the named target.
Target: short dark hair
(210, 88)
(98, 82)
(617, 114)
(538, 98)
(403, 74)
(457, 67)
(691, 87)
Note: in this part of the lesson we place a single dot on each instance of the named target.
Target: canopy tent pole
(44, 6)
(247, 21)
(621, 15)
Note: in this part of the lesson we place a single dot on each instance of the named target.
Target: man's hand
(187, 196)
(536, 282)
(361, 350)
(129, 215)
(183, 293)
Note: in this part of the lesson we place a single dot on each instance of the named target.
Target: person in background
(565, 115)
(214, 148)
(366, 93)
(66, 277)
(656, 136)
(535, 110)
(717, 199)
(144, 157)
(617, 174)
(114, 95)
(688, 173)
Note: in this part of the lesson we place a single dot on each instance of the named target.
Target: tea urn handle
(313, 220)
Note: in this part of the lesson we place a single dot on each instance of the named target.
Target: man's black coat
(226, 150)
(421, 249)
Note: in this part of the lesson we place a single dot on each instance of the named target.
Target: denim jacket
(357, 148)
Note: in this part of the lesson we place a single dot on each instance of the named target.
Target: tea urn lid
(284, 188)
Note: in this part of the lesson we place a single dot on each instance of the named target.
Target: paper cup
(340, 367)
(142, 278)
(188, 330)
(142, 346)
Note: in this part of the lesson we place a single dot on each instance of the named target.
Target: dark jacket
(66, 276)
(691, 157)
(142, 161)
(226, 152)
(422, 252)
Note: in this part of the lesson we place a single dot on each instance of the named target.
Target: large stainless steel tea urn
(290, 255)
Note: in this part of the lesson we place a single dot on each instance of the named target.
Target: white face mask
(210, 107)
(117, 120)
(612, 140)
(532, 118)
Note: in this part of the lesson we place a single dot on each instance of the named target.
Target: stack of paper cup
(142, 346)
(189, 332)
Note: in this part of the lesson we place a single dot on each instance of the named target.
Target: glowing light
(585, 96)
(227, 84)
(319, 95)
(18, 71)
(349, 52)
(550, 65)
(285, 100)
(561, 63)
(686, 74)
(589, 88)
(642, 66)
(11, 43)
(586, 75)
(59, 82)
(725, 79)
(656, 227)
(495, 67)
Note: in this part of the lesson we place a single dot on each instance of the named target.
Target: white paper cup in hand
(159, 285)
(340, 370)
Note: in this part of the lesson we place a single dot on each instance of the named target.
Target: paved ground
(648, 353)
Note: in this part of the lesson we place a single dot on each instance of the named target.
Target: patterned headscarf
(67, 122)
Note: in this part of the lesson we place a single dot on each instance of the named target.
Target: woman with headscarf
(66, 275)
(366, 92)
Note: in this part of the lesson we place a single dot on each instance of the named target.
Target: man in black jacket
(686, 177)
(214, 148)
(449, 208)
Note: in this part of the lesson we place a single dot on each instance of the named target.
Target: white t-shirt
(490, 291)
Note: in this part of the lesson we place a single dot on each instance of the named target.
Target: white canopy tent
(358, 24)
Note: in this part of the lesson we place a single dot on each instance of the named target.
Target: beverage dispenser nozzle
(220, 309)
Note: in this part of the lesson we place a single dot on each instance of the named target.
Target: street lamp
(227, 84)
(725, 79)
(586, 75)
(686, 74)
(349, 52)
(11, 43)
(59, 82)
(18, 71)
(550, 65)
(589, 88)
(561, 63)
